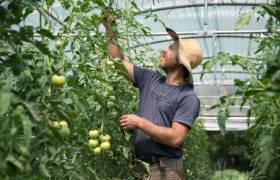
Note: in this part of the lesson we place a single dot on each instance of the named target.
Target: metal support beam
(221, 71)
(197, 37)
(239, 123)
(213, 32)
(196, 5)
(251, 58)
(199, 34)
(192, 34)
(214, 54)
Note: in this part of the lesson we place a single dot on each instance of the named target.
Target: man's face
(169, 57)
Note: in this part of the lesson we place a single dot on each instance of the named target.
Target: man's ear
(177, 60)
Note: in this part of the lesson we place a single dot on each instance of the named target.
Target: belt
(150, 159)
(163, 161)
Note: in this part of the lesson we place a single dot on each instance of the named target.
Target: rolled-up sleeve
(187, 110)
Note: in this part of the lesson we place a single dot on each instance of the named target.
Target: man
(168, 105)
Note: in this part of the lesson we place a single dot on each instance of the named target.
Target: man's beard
(168, 68)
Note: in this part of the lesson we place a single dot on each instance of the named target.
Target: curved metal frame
(197, 5)
(222, 34)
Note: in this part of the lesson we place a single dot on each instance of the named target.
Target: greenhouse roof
(212, 23)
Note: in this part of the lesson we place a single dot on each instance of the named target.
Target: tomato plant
(58, 83)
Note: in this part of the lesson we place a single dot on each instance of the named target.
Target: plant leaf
(46, 33)
(27, 126)
(222, 118)
(5, 100)
(11, 159)
(243, 20)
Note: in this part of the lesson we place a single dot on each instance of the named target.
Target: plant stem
(102, 121)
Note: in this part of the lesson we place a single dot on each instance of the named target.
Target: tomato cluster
(93, 142)
(112, 98)
(62, 126)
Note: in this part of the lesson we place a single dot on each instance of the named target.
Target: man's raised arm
(114, 50)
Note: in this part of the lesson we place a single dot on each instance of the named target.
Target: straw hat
(189, 52)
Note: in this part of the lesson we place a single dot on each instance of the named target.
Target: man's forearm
(160, 134)
(112, 46)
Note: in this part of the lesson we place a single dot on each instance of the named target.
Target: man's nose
(164, 51)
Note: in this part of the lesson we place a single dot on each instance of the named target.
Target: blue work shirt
(162, 104)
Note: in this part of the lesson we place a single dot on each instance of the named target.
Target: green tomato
(19, 109)
(93, 134)
(114, 113)
(50, 134)
(57, 80)
(63, 124)
(112, 98)
(56, 124)
(110, 88)
(65, 132)
(93, 143)
(105, 146)
(110, 104)
(58, 44)
(105, 138)
(97, 151)
(50, 123)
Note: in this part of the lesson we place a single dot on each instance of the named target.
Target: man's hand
(130, 121)
(107, 19)
(172, 136)
(109, 16)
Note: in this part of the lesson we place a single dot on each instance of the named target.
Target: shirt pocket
(166, 106)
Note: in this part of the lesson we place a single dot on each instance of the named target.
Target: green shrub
(232, 148)
(196, 156)
(230, 174)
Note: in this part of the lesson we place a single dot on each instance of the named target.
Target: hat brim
(177, 40)
(173, 34)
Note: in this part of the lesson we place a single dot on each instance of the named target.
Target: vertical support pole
(214, 55)
(205, 24)
(40, 22)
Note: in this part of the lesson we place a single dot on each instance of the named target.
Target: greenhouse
(140, 89)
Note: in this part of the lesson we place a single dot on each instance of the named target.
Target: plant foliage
(261, 91)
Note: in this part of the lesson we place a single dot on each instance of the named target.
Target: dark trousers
(165, 169)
